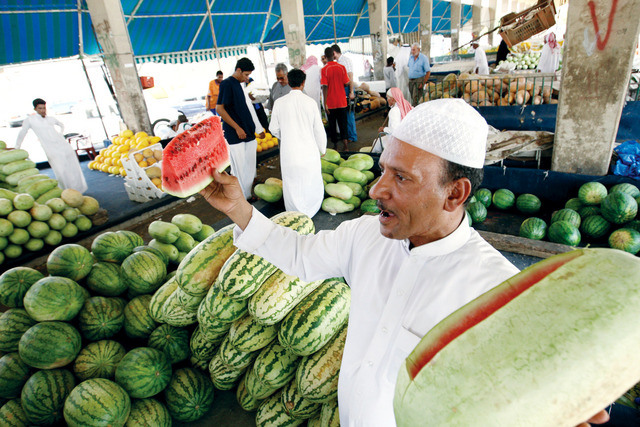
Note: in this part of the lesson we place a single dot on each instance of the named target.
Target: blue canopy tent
(187, 31)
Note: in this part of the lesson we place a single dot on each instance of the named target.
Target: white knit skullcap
(448, 128)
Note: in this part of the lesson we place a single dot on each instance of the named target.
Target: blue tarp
(47, 29)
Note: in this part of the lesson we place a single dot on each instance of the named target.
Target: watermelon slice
(189, 160)
(554, 344)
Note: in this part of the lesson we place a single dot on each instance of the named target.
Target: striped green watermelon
(295, 403)
(503, 199)
(211, 325)
(143, 272)
(14, 284)
(106, 279)
(157, 252)
(533, 228)
(189, 395)
(222, 307)
(317, 374)
(256, 387)
(483, 195)
(574, 204)
(568, 215)
(277, 296)
(203, 346)
(137, 321)
(223, 377)
(13, 374)
(148, 413)
(477, 211)
(586, 211)
(54, 298)
(12, 414)
(272, 413)
(143, 372)
(189, 302)
(199, 269)
(98, 360)
(97, 402)
(275, 366)
(234, 358)
(202, 364)
(528, 203)
(159, 298)
(595, 226)
(172, 341)
(619, 208)
(13, 324)
(329, 414)
(135, 239)
(244, 398)
(625, 187)
(175, 314)
(315, 421)
(101, 318)
(625, 239)
(313, 322)
(49, 345)
(71, 260)
(243, 274)
(44, 394)
(635, 224)
(112, 247)
(246, 334)
(565, 233)
(592, 193)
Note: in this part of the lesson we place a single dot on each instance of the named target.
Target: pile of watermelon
(597, 216)
(347, 182)
(28, 223)
(110, 337)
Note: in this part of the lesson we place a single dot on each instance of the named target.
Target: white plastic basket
(139, 186)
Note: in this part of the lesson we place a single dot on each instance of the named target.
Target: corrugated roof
(49, 29)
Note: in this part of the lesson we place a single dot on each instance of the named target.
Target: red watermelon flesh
(188, 161)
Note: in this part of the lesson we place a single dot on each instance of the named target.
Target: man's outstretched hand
(225, 194)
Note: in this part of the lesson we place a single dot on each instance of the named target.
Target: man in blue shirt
(238, 125)
(419, 72)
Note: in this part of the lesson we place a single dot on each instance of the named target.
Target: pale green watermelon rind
(571, 315)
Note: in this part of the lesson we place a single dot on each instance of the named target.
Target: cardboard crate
(139, 186)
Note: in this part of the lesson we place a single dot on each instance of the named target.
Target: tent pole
(213, 34)
(333, 13)
(264, 65)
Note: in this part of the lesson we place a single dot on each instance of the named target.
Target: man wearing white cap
(409, 267)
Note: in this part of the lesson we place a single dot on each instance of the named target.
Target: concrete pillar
(493, 20)
(111, 32)
(595, 75)
(379, 39)
(456, 17)
(426, 16)
(294, 35)
(476, 17)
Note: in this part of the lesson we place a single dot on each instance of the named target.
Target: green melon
(565, 233)
(97, 402)
(137, 321)
(144, 272)
(592, 193)
(205, 232)
(13, 324)
(50, 345)
(189, 395)
(101, 318)
(625, 239)
(619, 208)
(574, 204)
(13, 374)
(528, 203)
(44, 394)
(586, 211)
(134, 238)
(157, 252)
(164, 232)
(14, 284)
(503, 199)
(172, 341)
(71, 260)
(148, 413)
(143, 372)
(477, 211)
(98, 360)
(112, 247)
(568, 215)
(54, 298)
(105, 278)
(533, 228)
(595, 226)
(625, 187)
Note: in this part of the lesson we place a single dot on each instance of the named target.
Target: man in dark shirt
(238, 125)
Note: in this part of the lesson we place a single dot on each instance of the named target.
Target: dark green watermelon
(595, 226)
(625, 239)
(528, 203)
(503, 199)
(624, 187)
(477, 211)
(568, 215)
(619, 208)
(533, 228)
(483, 195)
(592, 193)
(565, 233)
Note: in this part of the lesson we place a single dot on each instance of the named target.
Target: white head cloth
(447, 128)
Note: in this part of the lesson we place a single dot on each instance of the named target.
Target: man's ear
(459, 192)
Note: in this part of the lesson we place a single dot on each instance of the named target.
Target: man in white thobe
(62, 158)
(296, 120)
(408, 268)
(481, 66)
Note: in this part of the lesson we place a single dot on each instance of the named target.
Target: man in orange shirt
(212, 96)
(334, 78)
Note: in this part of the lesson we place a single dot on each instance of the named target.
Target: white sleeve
(310, 257)
(318, 130)
(252, 111)
(26, 125)
(394, 119)
(274, 124)
(58, 123)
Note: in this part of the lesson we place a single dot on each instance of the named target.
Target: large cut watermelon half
(189, 159)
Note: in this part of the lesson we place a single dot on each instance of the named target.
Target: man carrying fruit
(408, 268)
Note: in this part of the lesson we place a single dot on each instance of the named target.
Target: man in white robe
(481, 64)
(296, 120)
(62, 158)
